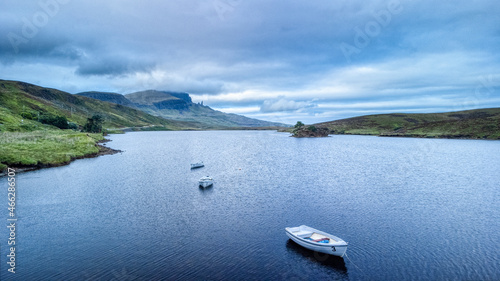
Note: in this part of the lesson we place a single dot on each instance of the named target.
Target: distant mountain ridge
(151, 97)
(179, 106)
(158, 100)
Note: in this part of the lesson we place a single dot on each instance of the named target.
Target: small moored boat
(206, 182)
(317, 240)
(197, 165)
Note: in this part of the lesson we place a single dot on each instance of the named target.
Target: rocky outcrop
(310, 132)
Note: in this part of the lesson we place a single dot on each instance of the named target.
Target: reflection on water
(333, 262)
(206, 190)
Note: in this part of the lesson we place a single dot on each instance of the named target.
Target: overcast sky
(274, 60)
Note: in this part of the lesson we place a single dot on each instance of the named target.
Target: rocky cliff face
(172, 104)
(160, 100)
(182, 96)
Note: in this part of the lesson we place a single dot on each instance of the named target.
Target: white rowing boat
(317, 240)
(197, 165)
(206, 182)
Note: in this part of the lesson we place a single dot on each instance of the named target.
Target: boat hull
(334, 249)
(206, 184)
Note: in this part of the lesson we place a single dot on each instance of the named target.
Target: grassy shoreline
(432, 135)
(48, 148)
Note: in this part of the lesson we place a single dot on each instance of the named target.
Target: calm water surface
(411, 209)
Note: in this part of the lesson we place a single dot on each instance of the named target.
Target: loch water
(411, 209)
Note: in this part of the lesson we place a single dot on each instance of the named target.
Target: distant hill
(21, 104)
(179, 106)
(471, 124)
(152, 101)
(150, 97)
(109, 97)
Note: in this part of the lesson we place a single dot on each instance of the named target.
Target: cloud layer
(276, 60)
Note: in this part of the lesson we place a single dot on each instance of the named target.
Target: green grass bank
(48, 148)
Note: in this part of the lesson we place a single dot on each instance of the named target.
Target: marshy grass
(50, 147)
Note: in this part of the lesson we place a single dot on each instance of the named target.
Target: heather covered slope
(470, 124)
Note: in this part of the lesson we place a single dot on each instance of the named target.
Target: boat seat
(321, 239)
(303, 234)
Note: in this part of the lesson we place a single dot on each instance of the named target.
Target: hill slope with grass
(33, 122)
(21, 105)
(469, 124)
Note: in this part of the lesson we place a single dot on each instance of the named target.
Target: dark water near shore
(411, 209)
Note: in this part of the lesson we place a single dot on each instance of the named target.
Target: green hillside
(47, 148)
(28, 141)
(21, 104)
(470, 124)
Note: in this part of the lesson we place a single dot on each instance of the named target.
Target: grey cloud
(257, 46)
(113, 66)
(283, 104)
